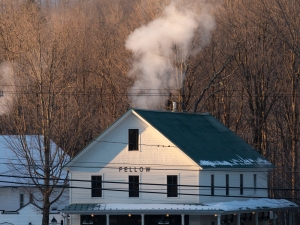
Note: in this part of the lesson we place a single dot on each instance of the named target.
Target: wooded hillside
(68, 70)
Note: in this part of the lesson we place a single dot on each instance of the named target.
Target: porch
(249, 212)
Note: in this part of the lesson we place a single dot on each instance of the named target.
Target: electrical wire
(146, 184)
(150, 191)
(137, 92)
(152, 167)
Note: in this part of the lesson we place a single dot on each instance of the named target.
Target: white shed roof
(8, 157)
(250, 205)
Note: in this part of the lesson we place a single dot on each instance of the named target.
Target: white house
(161, 167)
(17, 193)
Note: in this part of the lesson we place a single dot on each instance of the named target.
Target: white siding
(234, 184)
(26, 215)
(155, 152)
(10, 198)
(153, 177)
(75, 219)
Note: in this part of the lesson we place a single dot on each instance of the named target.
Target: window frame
(172, 187)
(96, 192)
(212, 184)
(255, 183)
(133, 139)
(241, 184)
(30, 197)
(227, 184)
(21, 200)
(133, 186)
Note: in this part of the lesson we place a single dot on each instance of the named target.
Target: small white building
(17, 193)
(161, 167)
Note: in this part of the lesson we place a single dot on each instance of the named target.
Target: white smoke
(7, 87)
(153, 47)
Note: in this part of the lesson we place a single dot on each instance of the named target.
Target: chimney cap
(174, 107)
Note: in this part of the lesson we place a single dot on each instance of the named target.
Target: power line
(150, 191)
(147, 184)
(132, 165)
(135, 92)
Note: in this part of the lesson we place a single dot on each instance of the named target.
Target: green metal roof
(205, 139)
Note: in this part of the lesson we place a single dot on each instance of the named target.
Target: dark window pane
(254, 183)
(241, 184)
(133, 139)
(133, 186)
(96, 186)
(21, 200)
(227, 184)
(172, 186)
(212, 185)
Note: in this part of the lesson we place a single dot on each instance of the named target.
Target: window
(172, 186)
(212, 185)
(227, 184)
(21, 200)
(96, 186)
(254, 183)
(31, 197)
(134, 186)
(133, 139)
(241, 185)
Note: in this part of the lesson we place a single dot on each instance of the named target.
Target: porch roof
(243, 206)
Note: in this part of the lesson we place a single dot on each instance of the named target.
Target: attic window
(133, 139)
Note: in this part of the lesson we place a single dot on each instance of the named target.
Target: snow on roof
(34, 143)
(263, 204)
(253, 204)
(235, 162)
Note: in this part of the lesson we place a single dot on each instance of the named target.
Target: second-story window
(172, 186)
(227, 184)
(212, 185)
(133, 139)
(134, 186)
(254, 183)
(31, 197)
(241, 184)
(96, 186)
(21, 200)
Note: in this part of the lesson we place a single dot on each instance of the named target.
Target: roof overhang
(230, 207)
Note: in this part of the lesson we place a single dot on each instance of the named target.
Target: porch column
(219, 219)
(143, 219)
(107, 219)
(65, 219)
(238, 219)
(274, 218)
(291, 217)
(182, 219)
(256, 218)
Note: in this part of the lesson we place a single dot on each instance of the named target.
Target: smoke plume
(7, 87)
(155, 49)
